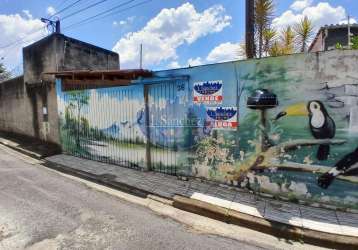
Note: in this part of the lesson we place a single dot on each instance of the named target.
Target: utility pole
(349, 33)
(141, 57)
(250, 29)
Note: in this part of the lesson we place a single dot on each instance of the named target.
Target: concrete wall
(28, 104)
(79, 56)
(16, 107)
(199, 125)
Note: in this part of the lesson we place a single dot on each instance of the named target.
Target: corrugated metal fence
(134, 126)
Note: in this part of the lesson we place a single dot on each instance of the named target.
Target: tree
(275, 49)
(269, 35)
(287, 40)
(355, 42)
(263, 17)
(304, 33)
(4, 74)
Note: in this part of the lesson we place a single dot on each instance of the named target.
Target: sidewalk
(323, 227)
(34, 148)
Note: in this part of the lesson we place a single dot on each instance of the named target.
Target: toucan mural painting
(299, 142)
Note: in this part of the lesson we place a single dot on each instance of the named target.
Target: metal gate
(138, 126)
(102, 125)
(166, 116)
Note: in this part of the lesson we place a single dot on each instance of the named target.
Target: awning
(88, 79)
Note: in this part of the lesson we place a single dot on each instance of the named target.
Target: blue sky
(174, 32)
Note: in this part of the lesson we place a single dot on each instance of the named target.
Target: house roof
(85, 79)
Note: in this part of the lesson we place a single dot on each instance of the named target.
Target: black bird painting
(348, 165)
(321, 125)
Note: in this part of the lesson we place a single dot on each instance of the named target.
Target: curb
(99, 179)
(271, 227)
(8, 144)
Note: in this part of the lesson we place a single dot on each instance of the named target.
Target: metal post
(141, 57)
(58, 26)
(264, 137)
(250, 29)
(147, 121)
(349, 32)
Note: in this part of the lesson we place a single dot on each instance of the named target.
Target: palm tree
(287, 40)
(263, 16)
(269, 35)
(275, 49)
(304, 32)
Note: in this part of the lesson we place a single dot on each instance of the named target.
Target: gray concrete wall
(79, 55)
(15, 107)
(22, 99)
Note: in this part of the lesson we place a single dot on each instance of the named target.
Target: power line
(61, 4)
(65, 8)
(37, 30)
(128, 8)
(22, 38)
(108, 12)
(83, 9)
(100, 14)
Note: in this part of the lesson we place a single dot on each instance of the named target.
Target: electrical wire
(106, 14)
(101, 13)
(65, 8)
(22, 38)
(83, 9)
(61, 4)
(37, 30)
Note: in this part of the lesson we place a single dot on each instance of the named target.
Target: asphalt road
(41, 209)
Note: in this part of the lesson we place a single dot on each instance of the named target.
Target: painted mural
(286, 126)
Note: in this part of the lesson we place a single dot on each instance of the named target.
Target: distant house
(329, 35)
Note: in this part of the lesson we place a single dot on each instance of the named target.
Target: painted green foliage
(293, 159)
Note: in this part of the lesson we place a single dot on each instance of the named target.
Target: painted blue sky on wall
(174, 33)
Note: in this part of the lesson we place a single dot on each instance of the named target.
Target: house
(329, 35)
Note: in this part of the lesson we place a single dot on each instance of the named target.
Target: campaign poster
(208, 92)
(222, 117)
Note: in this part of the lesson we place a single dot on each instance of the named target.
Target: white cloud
(173, 65)
(301, 4)
(27, 14)
(170, 29)
(127, 22)
(50, 10)
(222, 53)
(13, 28)
(195, 61)
(226, 52)
(351, 21)
(321, 14)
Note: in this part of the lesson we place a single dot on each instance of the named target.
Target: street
(42, 209)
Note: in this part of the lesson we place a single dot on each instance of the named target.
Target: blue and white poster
(208, 92)
(222, 117)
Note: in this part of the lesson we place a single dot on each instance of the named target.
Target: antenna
(141, 57)
(55, 25)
